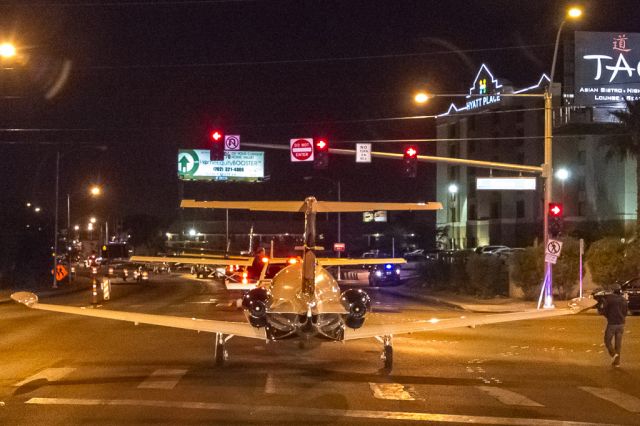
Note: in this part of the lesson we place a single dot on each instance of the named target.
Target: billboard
(607, 68)
(238, 166)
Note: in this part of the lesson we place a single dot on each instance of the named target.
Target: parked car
(489, 249)
(630, 290)
(386, 274)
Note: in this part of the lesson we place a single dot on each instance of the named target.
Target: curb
(78, 286)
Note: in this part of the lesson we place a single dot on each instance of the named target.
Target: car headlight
(378, 273)
(398, 271)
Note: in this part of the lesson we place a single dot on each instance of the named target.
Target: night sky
(150, 77)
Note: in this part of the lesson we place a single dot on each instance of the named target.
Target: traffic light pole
(547, 174)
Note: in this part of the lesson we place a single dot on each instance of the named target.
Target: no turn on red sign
(301, 149)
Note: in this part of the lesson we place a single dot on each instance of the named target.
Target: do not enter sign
(301, 149)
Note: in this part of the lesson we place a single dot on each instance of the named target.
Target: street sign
(301, 149)
(363, 153)
(238, 166)
(550, 258)
(554, 247)
(232, 143)
(339, 246)
(61, 272)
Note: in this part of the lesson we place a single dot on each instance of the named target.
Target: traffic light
(216, 138)
(555, 219)
(321, 154)
(410, 162)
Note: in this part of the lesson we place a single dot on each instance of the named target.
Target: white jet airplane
(303, 301)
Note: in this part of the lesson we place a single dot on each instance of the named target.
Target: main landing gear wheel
(219, 352)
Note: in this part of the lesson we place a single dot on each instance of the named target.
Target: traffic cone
(94, 292)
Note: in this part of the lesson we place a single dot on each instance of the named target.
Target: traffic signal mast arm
(421, 158)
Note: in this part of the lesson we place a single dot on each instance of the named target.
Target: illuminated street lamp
(572, 13)
(7, 50)
(421, 97)
(192, 232)
(92, 220)
(95, 190)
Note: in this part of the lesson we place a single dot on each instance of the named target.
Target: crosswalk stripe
(509, 397)
(393, 391)
(260, 411)
(163, 378)
(628, 402)
(48, 374)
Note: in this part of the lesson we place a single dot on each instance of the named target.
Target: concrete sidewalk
(464, 302)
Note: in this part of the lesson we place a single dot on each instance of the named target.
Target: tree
(626, 143)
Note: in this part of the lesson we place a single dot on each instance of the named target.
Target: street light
(421, 97)
(572, 13)
(7, 50)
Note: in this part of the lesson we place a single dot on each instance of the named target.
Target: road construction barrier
(106, 288)
(94, 292)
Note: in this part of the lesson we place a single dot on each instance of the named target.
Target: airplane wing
(268, 206)
(192, 260)
(300, 206)
(213, 256)
(210, 326)
(575, 306)
(345, 261)
(348, 206)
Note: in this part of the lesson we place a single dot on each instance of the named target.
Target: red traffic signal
(555, 209)
(410, 152)
(322, 145)
(217, 145)
(410, 161)
(321, 154)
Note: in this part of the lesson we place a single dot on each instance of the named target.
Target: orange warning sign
(61, 272)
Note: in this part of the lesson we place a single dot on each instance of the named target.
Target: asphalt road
(60, 369)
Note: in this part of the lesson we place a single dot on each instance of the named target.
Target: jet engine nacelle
(357, 303)
(255, 304)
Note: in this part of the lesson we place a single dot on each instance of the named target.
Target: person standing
(615, 309)
(255, 269)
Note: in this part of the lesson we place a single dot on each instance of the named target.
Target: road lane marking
(164, 378)
(48, 374)
(270, 384)
(628, 402)
(508, 397)
(393, 391)
(255, 411)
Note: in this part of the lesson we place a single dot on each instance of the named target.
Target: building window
(520, 209)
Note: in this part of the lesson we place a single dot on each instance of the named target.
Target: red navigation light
(411, 151)
(216, 136)
(555, 209)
